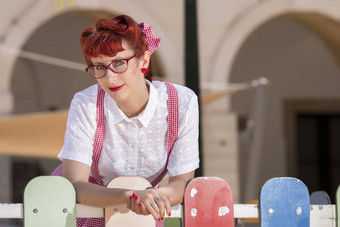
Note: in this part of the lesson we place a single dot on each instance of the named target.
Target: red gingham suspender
(172, 126)
(100, 131)
(99, 136)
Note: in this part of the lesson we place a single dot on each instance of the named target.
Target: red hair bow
(153, 43)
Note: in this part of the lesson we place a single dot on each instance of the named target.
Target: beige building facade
(292, 43)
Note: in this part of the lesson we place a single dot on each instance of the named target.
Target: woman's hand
(150, 201)
(158, 201)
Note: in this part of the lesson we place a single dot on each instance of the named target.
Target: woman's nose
(110, 74)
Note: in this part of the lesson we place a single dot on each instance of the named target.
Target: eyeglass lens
(118, 66)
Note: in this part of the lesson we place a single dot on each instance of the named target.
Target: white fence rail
(320, 215)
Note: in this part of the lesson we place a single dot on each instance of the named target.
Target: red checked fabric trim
(153, 42)
(99, 136)
(172, 126)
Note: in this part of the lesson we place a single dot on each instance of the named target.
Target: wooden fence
(208, 201)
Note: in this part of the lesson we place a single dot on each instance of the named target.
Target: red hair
(106, 39)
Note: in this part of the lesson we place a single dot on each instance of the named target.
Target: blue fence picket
(320, 198)
(284, 202)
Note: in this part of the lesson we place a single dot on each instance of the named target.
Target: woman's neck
(136, 103)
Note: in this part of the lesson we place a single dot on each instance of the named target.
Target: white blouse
(134, 146)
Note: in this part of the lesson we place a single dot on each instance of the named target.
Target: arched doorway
(293, 52)
(38, 86)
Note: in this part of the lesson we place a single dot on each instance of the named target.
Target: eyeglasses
(117, 66)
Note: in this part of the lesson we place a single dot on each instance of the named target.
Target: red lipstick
(115, 89)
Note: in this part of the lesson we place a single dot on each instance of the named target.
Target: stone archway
(38, 86)
(251, 18)
(297, 52)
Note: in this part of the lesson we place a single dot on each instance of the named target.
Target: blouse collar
(144, 117)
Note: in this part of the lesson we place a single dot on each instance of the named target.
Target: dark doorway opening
(318, 151)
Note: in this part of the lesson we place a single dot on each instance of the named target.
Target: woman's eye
(100, 67)
(118, 63)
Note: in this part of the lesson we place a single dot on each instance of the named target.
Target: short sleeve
(184, 156)
(80, 130)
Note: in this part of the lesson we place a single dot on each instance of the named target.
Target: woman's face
(122, 86)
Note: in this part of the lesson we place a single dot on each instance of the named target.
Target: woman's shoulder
(85, 99)
(88, 94)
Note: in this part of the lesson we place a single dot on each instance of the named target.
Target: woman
(128, 125)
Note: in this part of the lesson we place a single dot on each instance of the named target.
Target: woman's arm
(176, 187)
(171, 194)
(91, 194)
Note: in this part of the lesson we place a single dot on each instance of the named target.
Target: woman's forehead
(126, 45)
(126, 53)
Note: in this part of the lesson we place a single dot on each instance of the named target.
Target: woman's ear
(146, 59)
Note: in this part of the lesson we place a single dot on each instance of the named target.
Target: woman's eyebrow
(115, 58)
(98, 63)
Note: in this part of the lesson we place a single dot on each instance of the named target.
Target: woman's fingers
(150, 202)
(153, 203)
(167, 203)
(153, 209)
(161, 206)
(143, 209)
(156, 203)
(136, 205)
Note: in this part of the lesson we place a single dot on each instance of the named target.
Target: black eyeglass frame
(109, 66)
